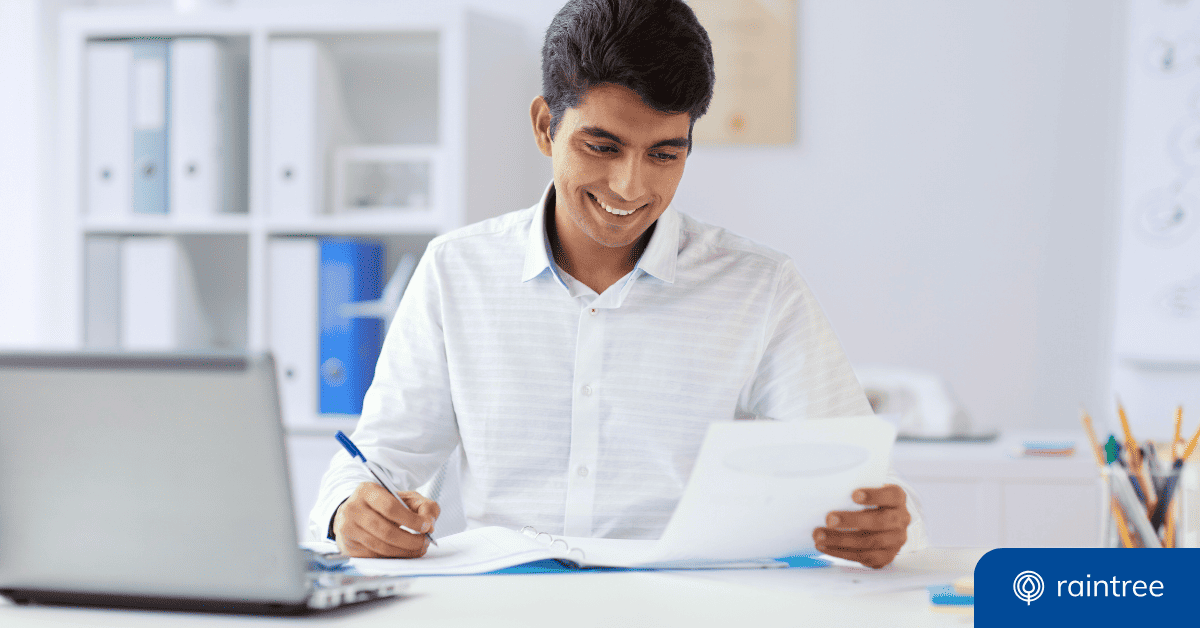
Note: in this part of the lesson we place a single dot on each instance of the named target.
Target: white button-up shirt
(582, 414)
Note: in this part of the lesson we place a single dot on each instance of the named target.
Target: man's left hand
(871, 536)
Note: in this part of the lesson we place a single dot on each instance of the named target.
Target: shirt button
(587, 391)
(592, 311)
(583, 472)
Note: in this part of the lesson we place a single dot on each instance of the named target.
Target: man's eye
(600, 148)
(664, 156)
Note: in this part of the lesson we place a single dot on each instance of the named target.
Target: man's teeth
(614, 210)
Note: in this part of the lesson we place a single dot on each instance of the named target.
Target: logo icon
(1028, 586)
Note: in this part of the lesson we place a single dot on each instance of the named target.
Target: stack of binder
(162, 128)
(326, 358)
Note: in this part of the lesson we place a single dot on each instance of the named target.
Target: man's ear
(539, 114)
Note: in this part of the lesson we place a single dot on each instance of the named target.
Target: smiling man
(578, 350)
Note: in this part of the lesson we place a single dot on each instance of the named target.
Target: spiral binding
(558, 546)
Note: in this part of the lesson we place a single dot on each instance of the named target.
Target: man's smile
(610, 209)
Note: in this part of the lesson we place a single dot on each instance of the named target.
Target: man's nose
(628, 178)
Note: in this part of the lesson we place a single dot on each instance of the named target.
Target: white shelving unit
(419, 73)
(433, 74)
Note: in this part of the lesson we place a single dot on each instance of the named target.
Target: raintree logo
(1028, 586)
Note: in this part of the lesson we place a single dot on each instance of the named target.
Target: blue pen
(355, 453)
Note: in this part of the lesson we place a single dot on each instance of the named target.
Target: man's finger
(874, 559)
(390, 534)
(425, 508)
(392, 509)
(888, 496)
(871, 519)
(857, 540)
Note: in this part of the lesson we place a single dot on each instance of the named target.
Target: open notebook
(777, 479)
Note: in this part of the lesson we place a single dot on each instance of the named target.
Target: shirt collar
(537, 245)
(659, 258)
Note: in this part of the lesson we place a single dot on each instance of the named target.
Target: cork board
(754, 50)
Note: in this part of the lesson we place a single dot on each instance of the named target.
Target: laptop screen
(145, 475)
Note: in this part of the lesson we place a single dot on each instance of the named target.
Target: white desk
(980, 495)
(759, 598)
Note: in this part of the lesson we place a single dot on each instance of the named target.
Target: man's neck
(592, 264)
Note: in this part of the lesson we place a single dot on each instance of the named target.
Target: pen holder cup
(1185, 511)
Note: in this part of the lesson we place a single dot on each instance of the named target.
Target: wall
(19, 193)
(950, 197)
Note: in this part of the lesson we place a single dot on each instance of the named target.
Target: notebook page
(474, 551)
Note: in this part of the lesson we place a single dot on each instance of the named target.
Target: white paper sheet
(759, 488)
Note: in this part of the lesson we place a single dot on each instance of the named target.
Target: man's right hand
(367, 524)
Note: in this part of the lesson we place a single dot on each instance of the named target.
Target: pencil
(1169, 534)
(1122, 529)
(1130, 444)
(1178, 427)
(1187, 452)
(1101, 459)
(1135, 458)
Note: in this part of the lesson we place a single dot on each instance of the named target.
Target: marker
(355, 453)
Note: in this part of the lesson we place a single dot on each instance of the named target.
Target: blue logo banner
(1072, 587)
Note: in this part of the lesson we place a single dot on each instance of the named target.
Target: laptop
(155, 481)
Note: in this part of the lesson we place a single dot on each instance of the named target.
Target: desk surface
(759, 598)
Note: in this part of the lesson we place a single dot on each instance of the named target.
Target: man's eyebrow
(595, 131)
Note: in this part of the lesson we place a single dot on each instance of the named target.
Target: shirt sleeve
(408, 425)
(804, 373)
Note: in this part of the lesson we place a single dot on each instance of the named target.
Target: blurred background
(992, 194)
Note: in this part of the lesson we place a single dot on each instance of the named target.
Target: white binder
(293, 265)
(200, 118)
(149, 81)
(109, 185)
(306, 119)
(102, 292)
(160, 304)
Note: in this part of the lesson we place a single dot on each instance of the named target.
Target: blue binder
(351, 270)
(150, 110)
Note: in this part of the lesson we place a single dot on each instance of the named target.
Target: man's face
(617, 163)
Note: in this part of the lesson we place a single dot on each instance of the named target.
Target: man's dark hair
(656, 48)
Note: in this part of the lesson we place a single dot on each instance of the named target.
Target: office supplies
(787, 475)
(306, 118)
(379, 475)
(1187, 451)
(1091, 434)
(1102, 460)
(293, 285)
(946, 598)
(153, 480)
(1165, 494)
(1175, 442)
(351, 271)
(1140, 491)
(1136, 461)
(964, 585)
(1111, 449)
(150, 96)
(204, 176)
(1047, 449)
(1156, 474)
(160, 299)
(108, 173)
(1134, 508)
(1130, 443)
